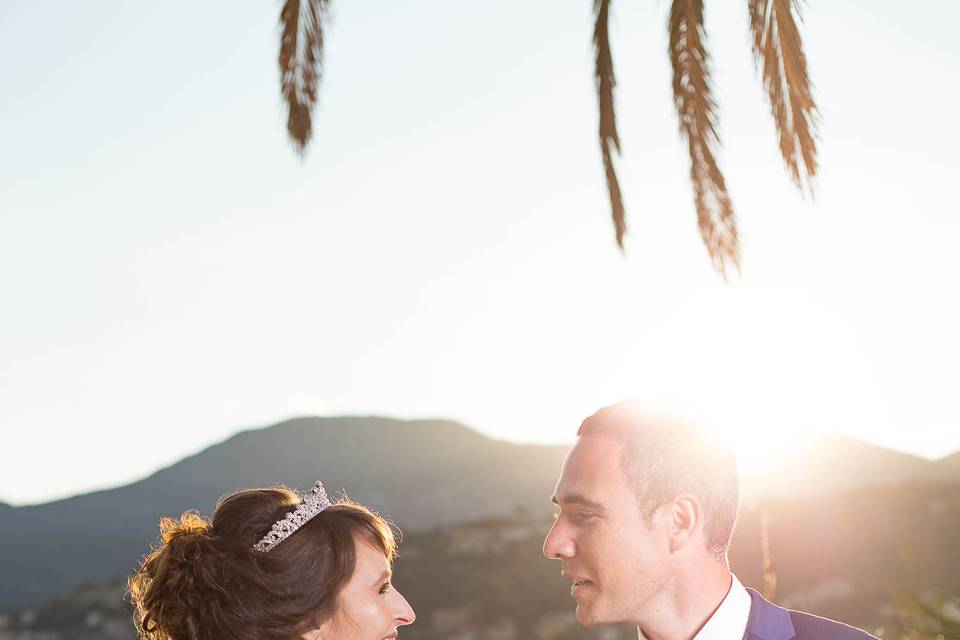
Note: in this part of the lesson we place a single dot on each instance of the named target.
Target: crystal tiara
(315, 502)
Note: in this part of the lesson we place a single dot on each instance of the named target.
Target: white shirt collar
(729, 621)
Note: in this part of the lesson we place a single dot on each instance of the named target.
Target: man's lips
(578, 588)
(578, 581)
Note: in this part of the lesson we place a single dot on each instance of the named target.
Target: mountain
(420, 473)
(832, 462)
(948, 467)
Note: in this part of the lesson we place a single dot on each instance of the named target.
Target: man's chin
(586, 615)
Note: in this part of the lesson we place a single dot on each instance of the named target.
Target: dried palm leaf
(766, 558)
(300, 60)
(609, 139)
(778, 53)
(698, 124)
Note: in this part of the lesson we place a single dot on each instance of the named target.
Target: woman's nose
(405, 614)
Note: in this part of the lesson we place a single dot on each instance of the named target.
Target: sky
(172, 272)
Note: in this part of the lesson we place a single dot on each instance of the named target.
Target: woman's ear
(325, 631)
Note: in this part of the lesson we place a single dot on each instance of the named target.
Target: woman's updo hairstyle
(205, 580)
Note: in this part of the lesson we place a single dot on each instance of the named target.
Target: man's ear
(684, 520)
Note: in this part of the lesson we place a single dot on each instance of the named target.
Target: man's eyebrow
(576, 498)
(384, 577)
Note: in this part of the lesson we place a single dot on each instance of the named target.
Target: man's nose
(558, 544)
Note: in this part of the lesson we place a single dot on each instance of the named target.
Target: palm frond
(766, 558)
(609, 138)
(698, 124)
(300, 60)
(778, 53)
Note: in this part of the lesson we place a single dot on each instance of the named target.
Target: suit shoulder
(811, 627)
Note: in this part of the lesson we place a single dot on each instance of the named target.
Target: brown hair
(665, 456)
(205, 580)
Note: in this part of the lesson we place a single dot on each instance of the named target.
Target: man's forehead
(593, 451)
(591, 469)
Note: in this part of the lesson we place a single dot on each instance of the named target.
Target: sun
(762, 441)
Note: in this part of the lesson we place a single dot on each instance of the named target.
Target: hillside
(854, 556)
(948, 467)
(421, 473)
(831, 462)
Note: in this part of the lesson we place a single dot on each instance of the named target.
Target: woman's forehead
(371, 561)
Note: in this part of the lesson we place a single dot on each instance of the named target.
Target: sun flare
(762, 441)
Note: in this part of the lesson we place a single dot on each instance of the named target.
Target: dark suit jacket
(770, 622)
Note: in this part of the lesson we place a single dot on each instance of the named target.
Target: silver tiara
(315, 502)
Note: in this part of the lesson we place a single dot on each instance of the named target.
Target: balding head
(664, 456)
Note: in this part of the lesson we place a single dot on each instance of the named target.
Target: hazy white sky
(171, 272)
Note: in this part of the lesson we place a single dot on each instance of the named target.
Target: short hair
(664, 456)
(205, 580)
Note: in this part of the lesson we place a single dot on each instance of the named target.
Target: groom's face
(616, 564)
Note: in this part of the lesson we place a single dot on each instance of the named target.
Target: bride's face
(369, 608)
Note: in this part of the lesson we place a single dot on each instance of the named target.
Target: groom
(645, 509)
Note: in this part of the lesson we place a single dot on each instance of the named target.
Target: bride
(271, 565)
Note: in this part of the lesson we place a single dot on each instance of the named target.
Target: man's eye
(583, 517)
(386, 587)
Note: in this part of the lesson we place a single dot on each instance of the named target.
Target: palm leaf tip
(300, 62)
(778, 54)
(607, 130)
(696, 111)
